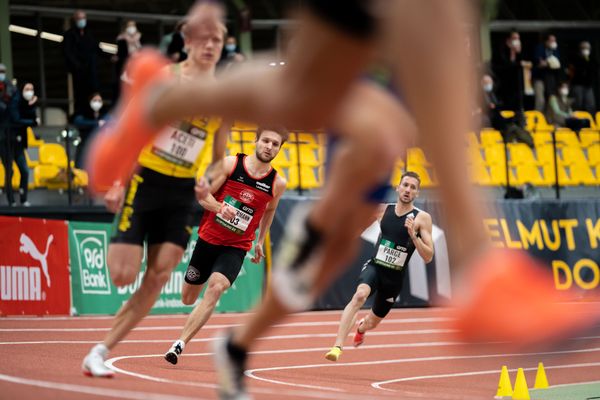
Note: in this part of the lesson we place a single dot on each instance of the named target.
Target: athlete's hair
(191, 24)
(412, 175)
(280, 130)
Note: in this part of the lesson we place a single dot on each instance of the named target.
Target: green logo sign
(91, 248)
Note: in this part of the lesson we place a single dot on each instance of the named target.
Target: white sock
(101, 349)
(181, 344)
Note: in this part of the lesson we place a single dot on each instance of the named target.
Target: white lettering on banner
(20, 283)
(173, 285)
(91, 255)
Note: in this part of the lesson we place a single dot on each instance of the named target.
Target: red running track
(413, 354)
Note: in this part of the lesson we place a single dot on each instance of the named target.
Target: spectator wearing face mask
(23, 114)
(560, 110)
(81, 50)
(86, 123)
(547, 70)
(492, 116)
(231, 53)
(128, 43)
(584, 71)
(508, 65)
(7, 91)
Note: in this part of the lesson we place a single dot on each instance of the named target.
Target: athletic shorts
(158, 208)
(385, 284)
(351, 16)
(208, 258)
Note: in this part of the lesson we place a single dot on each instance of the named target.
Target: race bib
(180, 145)
(243, 216)
(389, 256)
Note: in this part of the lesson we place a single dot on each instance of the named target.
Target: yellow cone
(521, 391)
(541, 382)
(504, 385)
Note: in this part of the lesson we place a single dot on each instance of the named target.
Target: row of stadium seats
(47, 163)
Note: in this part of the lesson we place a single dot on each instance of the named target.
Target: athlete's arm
(420, 233)
(267, 218)
(209, 202)
(220, 141)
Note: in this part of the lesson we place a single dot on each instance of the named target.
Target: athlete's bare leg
(349, 314)
(124, 262)
(217, 284)
(161, 261)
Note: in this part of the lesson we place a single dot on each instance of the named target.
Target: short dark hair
(412, 175)
(279, 129)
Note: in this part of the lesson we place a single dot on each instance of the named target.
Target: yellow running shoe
(334, 353)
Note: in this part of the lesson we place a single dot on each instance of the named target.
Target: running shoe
(334, 354)
(93, 363)
(230, 366)
(359, 337)
(174, 352)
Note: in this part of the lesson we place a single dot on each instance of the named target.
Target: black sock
(236, 352)
(313, 238)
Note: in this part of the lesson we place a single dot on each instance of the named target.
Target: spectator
(547, 70)
(231, 53)
(7, 91)
(23, 114)
(172, 44)
(492, 116)
(81, 50)
(508, 66)
(176, 50)
(93, 117)
(560, 111)
(128, 42)
(584, 71)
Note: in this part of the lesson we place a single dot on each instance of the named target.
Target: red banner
(34, 267)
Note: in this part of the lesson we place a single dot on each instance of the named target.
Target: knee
(122, 273)
(156, 277)
(360, 297)
(215, 289)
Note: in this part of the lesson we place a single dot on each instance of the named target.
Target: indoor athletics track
(413, 354)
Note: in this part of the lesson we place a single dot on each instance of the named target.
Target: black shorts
(208, 258)
(158, 208)
(385, 283)
(354, 17)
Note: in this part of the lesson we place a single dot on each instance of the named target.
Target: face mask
(28, 94)
(96, 105)
(81, 23)
(488, 87)
(552, 45)
(564, 92)
(516, 43)
(2, 76)
(131, 30)
(585, 52)
(230, 47)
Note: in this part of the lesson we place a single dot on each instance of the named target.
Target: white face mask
(488, 87)
(28, 94)
(2, 76)
(585, 52)
(96, 105)
(564, 92)
(131, 30)
(552, 45)
(516, 43)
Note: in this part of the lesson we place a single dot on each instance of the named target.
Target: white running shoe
(93, 364)
(176, 349)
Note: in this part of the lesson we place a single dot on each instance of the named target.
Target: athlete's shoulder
(280, 184)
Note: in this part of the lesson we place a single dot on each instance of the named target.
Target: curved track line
(93, 390)
(377, 385)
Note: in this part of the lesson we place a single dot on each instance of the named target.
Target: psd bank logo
(24, 282)
(91, 256)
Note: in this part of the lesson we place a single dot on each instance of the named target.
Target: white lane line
(377, 385)
(93, 390)
(251, 373)
(223, 326)
(279, 392)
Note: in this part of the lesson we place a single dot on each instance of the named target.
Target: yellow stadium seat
(415, 156)
(475, 156)
(545, 154)
(593, 155)
(528, 173)
(589, 137)
(307, 138)
(585, 115)
(536, 121)
(542, 138)
(304, 178)
(480, 174)
(597, 118)
(53, 154)
(520, 153)
(507, 113)
(490, 137)
(566, 137)
(233, 148)
(427, 179)
(572, 155)
(31, 139)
